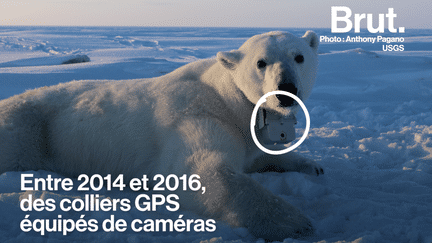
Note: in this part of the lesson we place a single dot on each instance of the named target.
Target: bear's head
(274, 61)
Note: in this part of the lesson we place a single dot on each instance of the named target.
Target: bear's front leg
(287, 162)
(242, 202)
(217, 155)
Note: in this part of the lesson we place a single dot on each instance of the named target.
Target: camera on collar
(275, 129)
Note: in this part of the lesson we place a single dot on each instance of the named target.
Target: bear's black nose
(284, 100)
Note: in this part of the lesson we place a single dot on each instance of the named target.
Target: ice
(371, 129)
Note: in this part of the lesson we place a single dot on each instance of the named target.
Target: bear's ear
(229, 59)
(312, 39)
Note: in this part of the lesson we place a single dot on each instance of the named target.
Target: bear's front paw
(312, 168)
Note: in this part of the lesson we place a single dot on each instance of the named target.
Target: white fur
(194, 120)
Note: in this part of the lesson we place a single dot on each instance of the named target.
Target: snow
(371, 129)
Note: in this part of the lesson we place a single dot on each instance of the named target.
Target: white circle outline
(253, 120)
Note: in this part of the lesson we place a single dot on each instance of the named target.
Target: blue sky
(214, 13)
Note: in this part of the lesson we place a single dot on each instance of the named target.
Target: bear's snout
(286, 80)
(284, 100)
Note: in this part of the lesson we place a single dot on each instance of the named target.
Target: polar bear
(194, 120)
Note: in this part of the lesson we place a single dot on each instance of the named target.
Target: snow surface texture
(371, 129)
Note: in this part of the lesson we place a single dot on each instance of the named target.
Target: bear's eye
(299, 58)
(261, 64)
